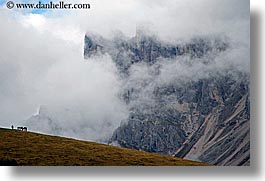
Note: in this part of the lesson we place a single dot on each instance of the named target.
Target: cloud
(40, 68)
(170, 19)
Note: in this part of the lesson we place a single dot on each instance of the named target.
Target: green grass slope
(33, 149)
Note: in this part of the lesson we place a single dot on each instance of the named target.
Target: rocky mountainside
(186, 99)
(149, 49)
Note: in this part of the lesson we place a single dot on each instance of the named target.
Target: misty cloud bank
(46, 84)
(46, 76)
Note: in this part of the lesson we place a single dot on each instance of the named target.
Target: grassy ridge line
(33, 149)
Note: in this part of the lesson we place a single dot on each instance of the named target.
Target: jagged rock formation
(149, 49)
(201, 116)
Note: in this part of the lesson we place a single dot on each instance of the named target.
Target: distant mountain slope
(189, 99)
(32, 149)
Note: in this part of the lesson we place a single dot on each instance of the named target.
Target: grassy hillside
(27, 148)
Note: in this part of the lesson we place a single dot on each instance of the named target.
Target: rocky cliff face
(149, 49)
(183, 100)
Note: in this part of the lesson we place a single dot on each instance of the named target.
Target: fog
(44, 77)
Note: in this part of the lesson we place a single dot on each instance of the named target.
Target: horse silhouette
(22, 128)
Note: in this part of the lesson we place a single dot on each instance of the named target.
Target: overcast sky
(41, 59)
